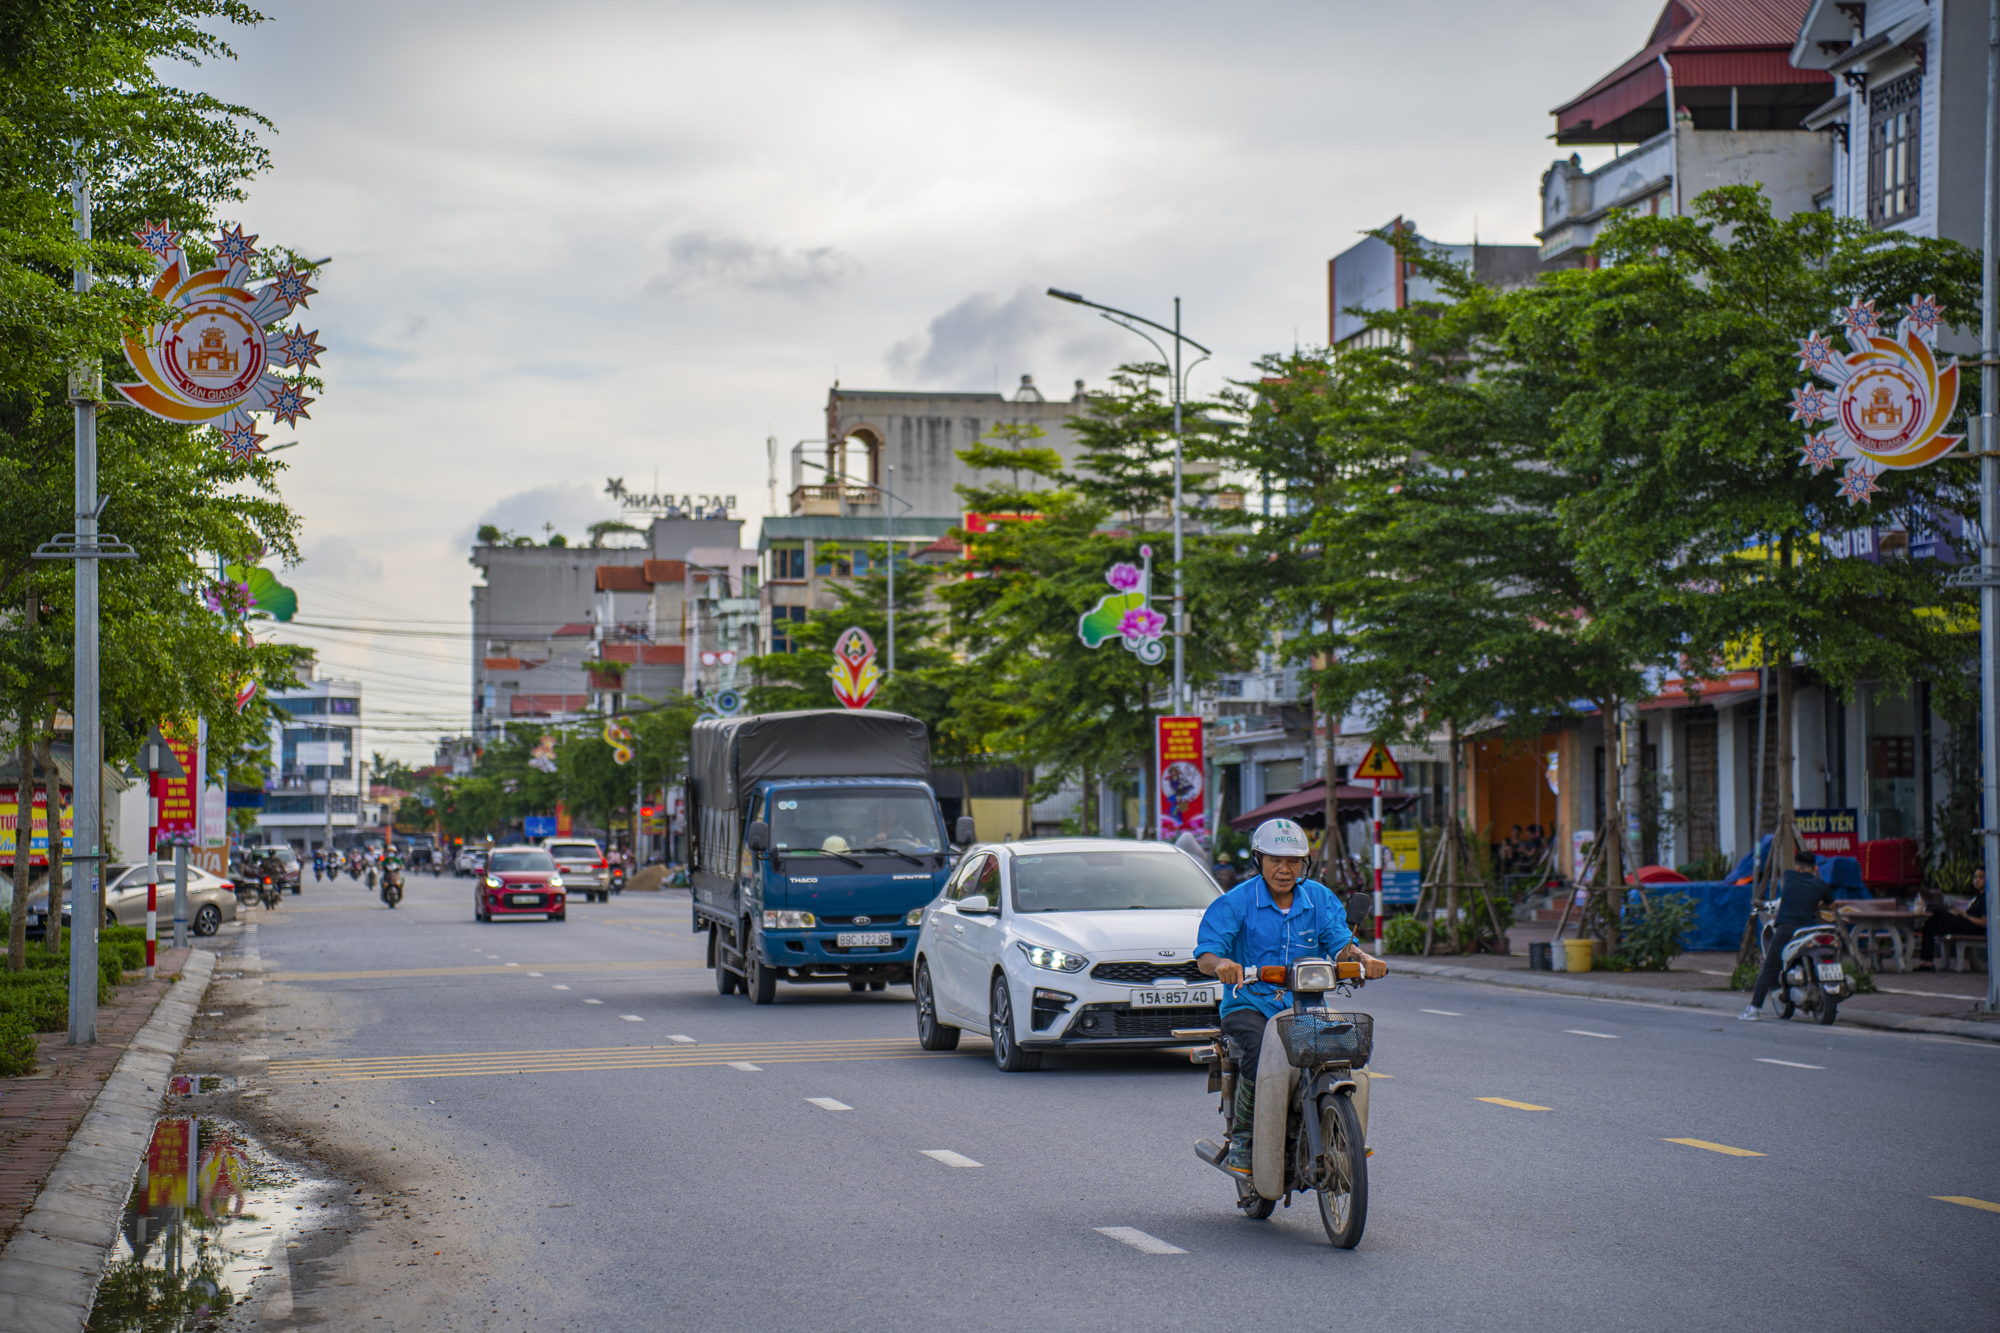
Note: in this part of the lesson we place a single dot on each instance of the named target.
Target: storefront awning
(1307, 805)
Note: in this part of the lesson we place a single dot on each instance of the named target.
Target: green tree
(802, 679)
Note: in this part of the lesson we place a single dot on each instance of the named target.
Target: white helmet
(1279, 837)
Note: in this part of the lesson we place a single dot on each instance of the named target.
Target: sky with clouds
(633, 240)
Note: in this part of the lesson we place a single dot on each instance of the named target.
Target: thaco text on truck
(817, 845)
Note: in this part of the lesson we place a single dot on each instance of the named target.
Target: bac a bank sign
(669, 505)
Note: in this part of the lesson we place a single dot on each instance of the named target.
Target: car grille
(1145, 974)
(1114, 1021)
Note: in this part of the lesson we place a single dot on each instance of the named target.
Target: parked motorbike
(392, 885)
(245, 884)
(1810, 976)
(1311, 1121)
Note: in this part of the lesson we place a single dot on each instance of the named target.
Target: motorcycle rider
(392, 865)
(1273, 917)
(1800, 896)
(319, 863)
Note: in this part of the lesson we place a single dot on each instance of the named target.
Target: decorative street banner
(1124, 613)
(180, 812)
(543, 757)
(855, 675)
(1893, 398)
(1180, 779)
(38, 827)
(1829, 832)
(253, 590)
(619, 737)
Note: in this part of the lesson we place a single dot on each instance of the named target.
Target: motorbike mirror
(758, 836)
(1276, 974)
(967, 830)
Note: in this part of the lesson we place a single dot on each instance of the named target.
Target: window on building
(783, 620)
(343, 705)
(832, 561)
(788, 563)
(1894, 133)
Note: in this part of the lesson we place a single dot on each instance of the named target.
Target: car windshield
(520, 863)
(574, 851)
(1108, 881)
(843, 821)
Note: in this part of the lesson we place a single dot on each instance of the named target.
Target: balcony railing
(826, 498)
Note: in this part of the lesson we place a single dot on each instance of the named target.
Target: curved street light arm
(1074, 299)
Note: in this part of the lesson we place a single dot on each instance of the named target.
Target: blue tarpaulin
(1720, 910)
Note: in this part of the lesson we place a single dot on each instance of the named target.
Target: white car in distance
(1065, 943)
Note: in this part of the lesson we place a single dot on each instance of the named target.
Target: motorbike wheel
(932, 1035)
(1007, 1052)
(1256, 1207)
(1781, 998)
(1343, 1196)
(1829, 1008)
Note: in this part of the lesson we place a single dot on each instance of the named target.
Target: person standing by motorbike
(1801, 894)
(1275, 917)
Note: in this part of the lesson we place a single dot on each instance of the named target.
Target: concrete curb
(1559, 984)
(50, 1269)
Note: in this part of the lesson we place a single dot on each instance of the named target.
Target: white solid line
(829, 1104)
(632, 1018)
(948, 1157)
(1140, 1241)
(593, 1002)
(685, 1041)
(1579, 1032)
(1446, 1012)
(1789, 1064)
(746, 1068)
(558, 988)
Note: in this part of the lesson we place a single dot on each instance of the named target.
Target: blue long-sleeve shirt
(1245, 926)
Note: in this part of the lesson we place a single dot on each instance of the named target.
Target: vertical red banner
(1180, 777)
(180, 801)
(563, 825)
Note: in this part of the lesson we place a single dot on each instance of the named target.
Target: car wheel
(857, 986)
(559, 916)
(1007, 1052)
(110, 917)
(208, 920)
(932, 1034)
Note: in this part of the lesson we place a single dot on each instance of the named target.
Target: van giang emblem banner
(217, 360)
(1891, 401)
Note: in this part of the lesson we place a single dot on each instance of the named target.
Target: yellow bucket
(1577, 954)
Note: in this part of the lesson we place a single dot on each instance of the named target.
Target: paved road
(805, 1165)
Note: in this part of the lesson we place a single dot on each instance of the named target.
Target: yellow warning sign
(1379, 765)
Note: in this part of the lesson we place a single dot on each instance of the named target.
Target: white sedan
(1065, 942)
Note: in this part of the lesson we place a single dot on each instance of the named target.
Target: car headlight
(789, 921)
(915, 918)
(492, 883)
(555, 881)
(1054, 960)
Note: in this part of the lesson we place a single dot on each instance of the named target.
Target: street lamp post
(1125, 319)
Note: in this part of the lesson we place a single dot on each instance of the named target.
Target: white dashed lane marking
(948, 1157)
(593, 1002)
(829, 1104)
(534, 974)
(1789, 1064)
(1445, 1012)
(1139, 1240)
(558, 988)
(745, 1067)
(1579, 1032)
(632, 1018)
(681, 1039)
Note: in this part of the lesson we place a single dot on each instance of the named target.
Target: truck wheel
(726, 981)
(932, 1035)
(760, 979)
(857, 986)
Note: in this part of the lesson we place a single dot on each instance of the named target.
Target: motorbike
(371, 876)
(1810, 976)
(392, 885)
(1311, 1121)
(319, 868)
(617, 878)
(270, 890)
(332, 869)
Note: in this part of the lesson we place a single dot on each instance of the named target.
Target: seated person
(1971, 921)
(1511, 852)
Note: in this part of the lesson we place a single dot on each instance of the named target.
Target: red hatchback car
(519, 881)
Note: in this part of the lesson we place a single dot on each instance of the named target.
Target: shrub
(1403, 933)
(1862, 982)
(1650, 938)
(43, 1008)
(17, 1046)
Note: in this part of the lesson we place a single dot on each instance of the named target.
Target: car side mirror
(758, 836)
(968, 831)
(976, 905)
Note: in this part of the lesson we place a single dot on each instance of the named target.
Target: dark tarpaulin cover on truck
(727, 755)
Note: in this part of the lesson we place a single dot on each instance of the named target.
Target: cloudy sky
(595, 240)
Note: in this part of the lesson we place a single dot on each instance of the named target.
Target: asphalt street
(630, 1150)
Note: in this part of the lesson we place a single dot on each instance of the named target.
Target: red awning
(1307, 805)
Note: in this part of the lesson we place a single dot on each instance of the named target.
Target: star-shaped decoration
(156, 238)
(1815, 352)
(1821, 452)
(234, 248)
(300, 348)
(1811, 404)
(288, 404)
(1860, 319)
(290, 287)
(1857, 486)
(241, 442)
(1925, 314)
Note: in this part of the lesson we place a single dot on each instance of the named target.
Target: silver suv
(582, 867)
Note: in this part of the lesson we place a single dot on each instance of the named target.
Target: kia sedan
(519, 881)
(211, 900)
(1065, 942)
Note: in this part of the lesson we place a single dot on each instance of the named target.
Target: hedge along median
(37, 999)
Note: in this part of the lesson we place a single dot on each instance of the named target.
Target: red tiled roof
(503, 664)
(668, 654)
(665, 571)
(621, 652)
(607, 680)
(622, 578)
(575, 632)
(541, 705)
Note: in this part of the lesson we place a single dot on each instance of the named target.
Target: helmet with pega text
(1279, 837)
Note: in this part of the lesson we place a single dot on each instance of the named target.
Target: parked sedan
(519, 881)
(211, 900)
(1071, 942)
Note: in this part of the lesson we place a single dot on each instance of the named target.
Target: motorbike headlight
(789, 921)
(1313, 976)
(1054, 960)
(915, 918)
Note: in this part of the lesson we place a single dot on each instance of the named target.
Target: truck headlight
(789, 921)
(1054, 960)
(915, 918)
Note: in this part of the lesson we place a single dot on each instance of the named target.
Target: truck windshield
(1109, 881)
(844, 822)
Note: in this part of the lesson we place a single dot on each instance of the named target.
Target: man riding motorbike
(1274, 917)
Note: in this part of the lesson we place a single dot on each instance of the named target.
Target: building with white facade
(315, 746)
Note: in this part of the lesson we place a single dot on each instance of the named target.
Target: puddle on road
(207, 1227)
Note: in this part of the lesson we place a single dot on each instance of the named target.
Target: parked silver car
(211, 900)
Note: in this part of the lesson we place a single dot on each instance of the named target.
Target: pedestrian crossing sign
(1379, 765)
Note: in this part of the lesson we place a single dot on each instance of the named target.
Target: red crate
(1889, 861)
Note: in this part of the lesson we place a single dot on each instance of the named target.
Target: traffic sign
(1379, 765)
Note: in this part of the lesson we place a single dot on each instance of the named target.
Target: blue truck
(817, 843)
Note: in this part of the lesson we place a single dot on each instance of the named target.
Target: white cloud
(335, 557)
(700, 261)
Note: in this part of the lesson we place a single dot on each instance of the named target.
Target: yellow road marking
(1967, 1202)
(1518, 1106)
(1372, 1074)
(634, 966)
(1722, 1148)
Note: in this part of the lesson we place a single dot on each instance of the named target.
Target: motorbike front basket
(1317, 1038)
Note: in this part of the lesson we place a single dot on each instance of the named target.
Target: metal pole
(1180, 606)
(181, 893)
(1989, 505)
(85, 915)
(1378, 860)
(889, 512)
(152, 857)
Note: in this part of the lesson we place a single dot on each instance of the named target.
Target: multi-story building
(1368, 276)
(315, 746)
